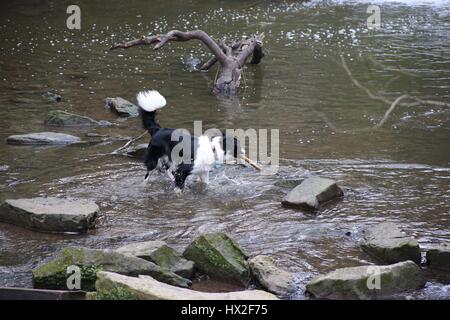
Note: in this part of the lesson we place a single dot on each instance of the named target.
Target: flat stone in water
(61, 118)
(42, 138)
(51, 96)
(388, 243)
(367, 282)
(438, 256)
(53, 215)
(312, 193)
(122, 107)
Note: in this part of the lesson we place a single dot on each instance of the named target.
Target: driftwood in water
(231, 57)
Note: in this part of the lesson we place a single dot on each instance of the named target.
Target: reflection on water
(400, 172)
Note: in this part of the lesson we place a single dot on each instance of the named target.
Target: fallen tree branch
(383, 99)
(231, 58)
(392, 104)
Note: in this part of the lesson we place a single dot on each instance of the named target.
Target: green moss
(117, 292)
(218, 256)
(53, 274)
(165, 256)
(63, 118)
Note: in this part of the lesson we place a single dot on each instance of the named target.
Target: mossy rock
(220, 257)
(122, 107)
(367, 282)
(160, 253)
(61, 118)
(169, 258)
(53, 274)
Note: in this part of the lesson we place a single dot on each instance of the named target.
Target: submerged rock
(312, 193)
(52, 96)
(42, 138)
(137, 151)
(66, 119)
(220, 257)
(160, 253)
(54, 274)
(367, 282)
(438, 256)
(386, 242)
(147, 288)
(50, 214)
(122, 107)
(270, 277)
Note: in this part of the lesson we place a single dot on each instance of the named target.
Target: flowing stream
(399, 172)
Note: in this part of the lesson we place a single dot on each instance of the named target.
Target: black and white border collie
(205, 153)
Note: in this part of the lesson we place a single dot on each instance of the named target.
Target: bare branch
(136, 42)
(175, 35)
(391, 108)
(117, 151)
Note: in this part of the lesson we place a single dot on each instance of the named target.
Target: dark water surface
(400, 172)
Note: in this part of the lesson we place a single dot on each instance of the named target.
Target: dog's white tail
(150, 100)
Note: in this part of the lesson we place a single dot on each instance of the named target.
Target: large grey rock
(220, 257)
(53, 274)
(386, 242)
(50, 214)
(160, 253)
(147, 288)
(438, 256)
(42, 138)
(122, 107)
(312, 193)
(367, 282)
(137, 151)
(61, 118)
(270, 277)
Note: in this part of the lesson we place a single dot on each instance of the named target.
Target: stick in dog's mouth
(250, 162)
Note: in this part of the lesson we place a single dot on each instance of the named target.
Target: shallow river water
(399, 172)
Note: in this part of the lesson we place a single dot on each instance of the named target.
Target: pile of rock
(154, 270)
(387, 243)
